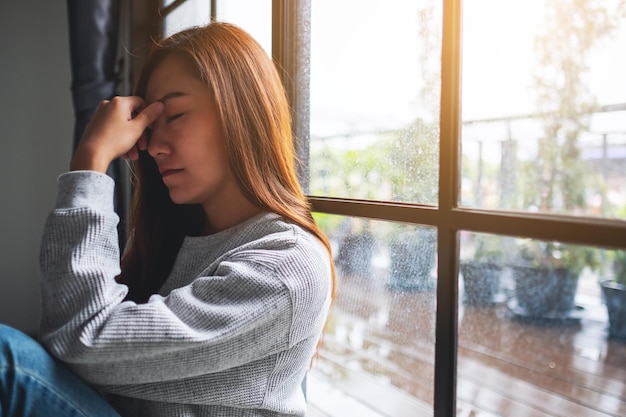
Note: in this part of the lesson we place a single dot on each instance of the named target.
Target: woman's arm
(257, 302)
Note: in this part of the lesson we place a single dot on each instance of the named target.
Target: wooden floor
(378, 360)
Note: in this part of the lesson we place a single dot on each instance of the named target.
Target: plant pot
(544, 293)
(482, 282)
(355, 255)
(412, 260)
(615, 301)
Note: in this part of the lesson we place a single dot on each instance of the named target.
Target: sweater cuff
(80, 189)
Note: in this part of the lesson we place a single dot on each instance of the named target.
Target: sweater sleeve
(242, 312)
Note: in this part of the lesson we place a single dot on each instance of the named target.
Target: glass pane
(542, 327)
(375, 83)
(544, 106)
(254, 16)
(190, 13)
(377, 358)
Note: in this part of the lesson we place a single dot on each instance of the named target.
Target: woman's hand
(115, 130)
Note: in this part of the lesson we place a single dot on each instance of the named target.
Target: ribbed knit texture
(231, 333)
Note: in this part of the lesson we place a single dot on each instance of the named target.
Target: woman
(223, 293)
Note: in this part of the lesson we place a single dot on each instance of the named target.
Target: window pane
(544, 106)
(254, 16)
(375, 83)
(378, 350)
(190, 13)
(534, 333)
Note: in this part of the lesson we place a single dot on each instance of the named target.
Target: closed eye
(174, 117)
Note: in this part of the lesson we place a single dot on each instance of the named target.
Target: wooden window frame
(288, 16)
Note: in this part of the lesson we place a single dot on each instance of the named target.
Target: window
(544, 106)
(375, 80)
(531, 171)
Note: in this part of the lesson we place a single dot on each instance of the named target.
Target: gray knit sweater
(231, 333)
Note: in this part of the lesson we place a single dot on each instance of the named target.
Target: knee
(15, 344)
(7, 336)
(10, 336)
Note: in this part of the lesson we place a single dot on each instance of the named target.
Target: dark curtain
(94, 31)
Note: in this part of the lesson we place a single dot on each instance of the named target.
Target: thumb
(149, 114)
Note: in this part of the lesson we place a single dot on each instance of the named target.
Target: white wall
(36, 123)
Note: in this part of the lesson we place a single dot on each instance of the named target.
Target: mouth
(169, 172)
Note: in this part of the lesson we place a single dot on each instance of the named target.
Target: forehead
(173, 74)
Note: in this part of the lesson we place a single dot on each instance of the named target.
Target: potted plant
(355, 251)
(546, 280)
(614, 294)
(481, 274)
(412, 255)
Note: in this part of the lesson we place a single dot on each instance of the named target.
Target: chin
(178, 198)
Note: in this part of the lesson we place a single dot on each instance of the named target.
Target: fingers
(142, 143)
(149, 114)
(134, 105)
(132, 154)
(117, 129)
(147, 117)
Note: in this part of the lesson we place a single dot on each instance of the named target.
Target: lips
(168, 172)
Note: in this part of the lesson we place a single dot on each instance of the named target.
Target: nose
(157, 141)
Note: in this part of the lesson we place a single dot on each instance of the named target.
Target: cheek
(206, 145)
(214, 158)
(215, 146)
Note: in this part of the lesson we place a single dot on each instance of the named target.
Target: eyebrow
(168, 96)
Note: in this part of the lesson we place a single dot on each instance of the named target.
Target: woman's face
(186, 141)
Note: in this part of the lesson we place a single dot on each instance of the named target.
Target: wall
(36, 123)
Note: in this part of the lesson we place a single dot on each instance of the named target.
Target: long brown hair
(256, 122)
